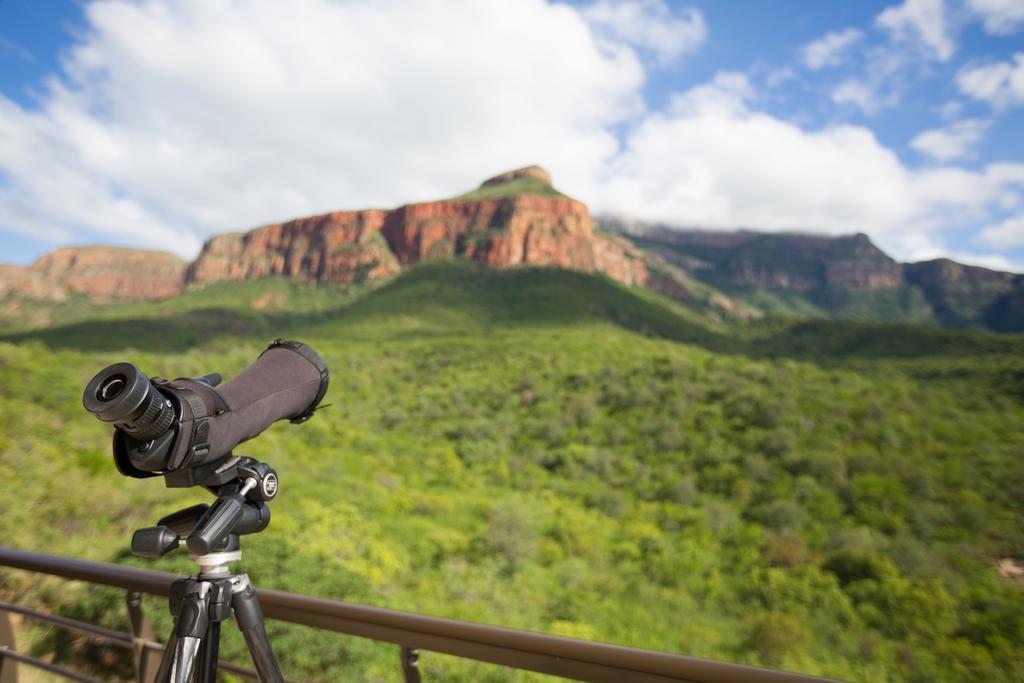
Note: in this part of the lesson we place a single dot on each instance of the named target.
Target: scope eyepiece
(122, 395)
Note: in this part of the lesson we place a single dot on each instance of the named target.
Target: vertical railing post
(8, 667)
(410, 664)
(147, 660)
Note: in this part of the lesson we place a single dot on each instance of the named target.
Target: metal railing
(554, 655)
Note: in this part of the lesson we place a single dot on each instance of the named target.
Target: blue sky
(159, 123)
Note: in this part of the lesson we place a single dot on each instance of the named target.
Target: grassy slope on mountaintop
(512, 188)
(505, 447)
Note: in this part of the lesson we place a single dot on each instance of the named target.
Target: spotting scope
(176, 427)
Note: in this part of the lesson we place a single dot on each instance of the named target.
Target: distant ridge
(845, 277)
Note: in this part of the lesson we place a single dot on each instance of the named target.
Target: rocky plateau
(101, 274)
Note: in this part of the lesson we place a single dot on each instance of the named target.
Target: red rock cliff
(19, 281)
(521, 229)
(509, 232)
(344, 246)
(103, 274)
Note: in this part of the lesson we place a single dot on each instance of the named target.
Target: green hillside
(552, 451)
(18, 311)
(197, 316)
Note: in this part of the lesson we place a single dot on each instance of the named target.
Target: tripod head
(243, 487)
(199, 604)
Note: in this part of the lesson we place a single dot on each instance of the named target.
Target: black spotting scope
(166, 427)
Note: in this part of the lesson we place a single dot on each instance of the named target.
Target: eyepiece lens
(112, 388)
(122, 395)
(118, 393)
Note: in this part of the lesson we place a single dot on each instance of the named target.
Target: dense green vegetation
(552, 451)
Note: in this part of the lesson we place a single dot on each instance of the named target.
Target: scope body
(167, 426)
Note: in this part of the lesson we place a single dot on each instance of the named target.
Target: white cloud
(828, 50)
(1008, 234)
(777, 76)
(999, 16)
(726, 95)
(951, 142)
(713, 161)
(649, 25)
(863, 95)
(916, 33)
(886, 71)
(920, 22)
(177, 120)
(1001, 84)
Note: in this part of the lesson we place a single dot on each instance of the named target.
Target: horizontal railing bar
(107, 635)
(103, 633)
(554, 665)
(522, 649)
(7, 653)
(141, 580)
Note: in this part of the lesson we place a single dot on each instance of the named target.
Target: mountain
(845, 277)
(514, 219)
(964, 295)
(100, 273)
(517, 219)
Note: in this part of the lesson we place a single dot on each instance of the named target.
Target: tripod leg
(208, 654)
(190, 628)
(185, 659)
(250, 621)
(163, 673)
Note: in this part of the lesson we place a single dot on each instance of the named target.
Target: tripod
(243, 487)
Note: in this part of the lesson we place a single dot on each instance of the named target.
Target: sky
(158, 123)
